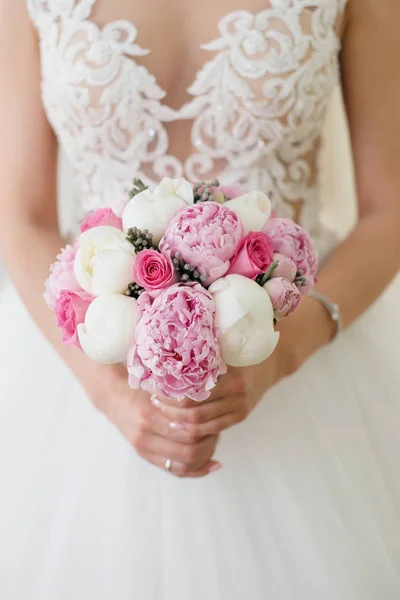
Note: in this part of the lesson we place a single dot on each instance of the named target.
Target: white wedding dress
(307, 506)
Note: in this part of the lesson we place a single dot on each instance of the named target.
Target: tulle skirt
(307, 506)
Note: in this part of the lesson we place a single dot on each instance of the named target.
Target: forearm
(354, 276)
(28, 247)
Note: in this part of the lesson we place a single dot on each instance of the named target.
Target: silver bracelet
(332, 308)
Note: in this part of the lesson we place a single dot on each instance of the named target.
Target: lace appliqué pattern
(257, 110)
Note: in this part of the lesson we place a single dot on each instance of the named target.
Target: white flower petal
(155, 211)
(109, 329)
(253, 209)
(104, 261)
(245, 315)
(112, 272)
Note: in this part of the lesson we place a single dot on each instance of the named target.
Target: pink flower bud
(286, 267)
(285, 296)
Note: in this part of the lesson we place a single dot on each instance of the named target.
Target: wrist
(303, 333)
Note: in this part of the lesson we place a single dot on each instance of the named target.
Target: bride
(301, 499)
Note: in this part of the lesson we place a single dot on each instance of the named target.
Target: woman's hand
(149, 431)
(232, 400)
(240, 390)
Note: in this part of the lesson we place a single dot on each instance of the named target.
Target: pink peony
(285, 296)
(101, 217)
(293, 241)
(206, 235)
(253, 255)
(153, 270)
(231, 191)
(176, 351)
(62, 276)
(286, 267)
(71, 308)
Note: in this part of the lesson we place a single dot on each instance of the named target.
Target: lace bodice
(256, 110)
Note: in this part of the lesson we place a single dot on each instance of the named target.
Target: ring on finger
(168, 465)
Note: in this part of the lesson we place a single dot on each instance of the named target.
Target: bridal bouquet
(186, 280)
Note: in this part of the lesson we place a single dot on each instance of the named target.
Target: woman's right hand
(149, 431)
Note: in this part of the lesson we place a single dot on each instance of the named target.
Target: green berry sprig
(138, 186)
(141, 240)
(134, 291)
(300, 281)
(188, 272)
(203, 191)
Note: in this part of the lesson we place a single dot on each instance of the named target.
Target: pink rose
(253, 255)
(206, 235)
(62, 276)
(293, 241)
(285, 296)
(153, 270)
(176, 351)
(101, 217)
(71, 308)
(286, 267)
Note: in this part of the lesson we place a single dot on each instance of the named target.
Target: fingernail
(155, 401)
(176, 426)
(215, 467)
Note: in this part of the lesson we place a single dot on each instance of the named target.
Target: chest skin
(174, 31)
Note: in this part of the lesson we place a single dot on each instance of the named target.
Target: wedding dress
(307, 506)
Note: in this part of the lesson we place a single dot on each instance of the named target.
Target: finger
(194, 455)
(181, 469)
(153, 421)
(215, 426)
(200, 413)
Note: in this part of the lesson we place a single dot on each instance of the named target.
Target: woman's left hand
(232, 400)
(240, 390)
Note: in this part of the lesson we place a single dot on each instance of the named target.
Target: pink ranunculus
(71, 308)
(286, 267)
(154, 271)
(176, 352)
(62, 276)
(285, 296)
(293, 241)
(206, 235)
(100, 218)
(253, 255)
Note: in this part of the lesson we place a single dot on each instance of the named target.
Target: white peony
(104, 261)
(108, 332)
(253, 209)
(153, 211)
(245, 315)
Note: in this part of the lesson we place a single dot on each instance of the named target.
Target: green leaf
(269, 273)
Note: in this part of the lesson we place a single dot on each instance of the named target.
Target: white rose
(253, 209)
(245, 315)
(108, 332)
(104, 261)
(153, 211)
